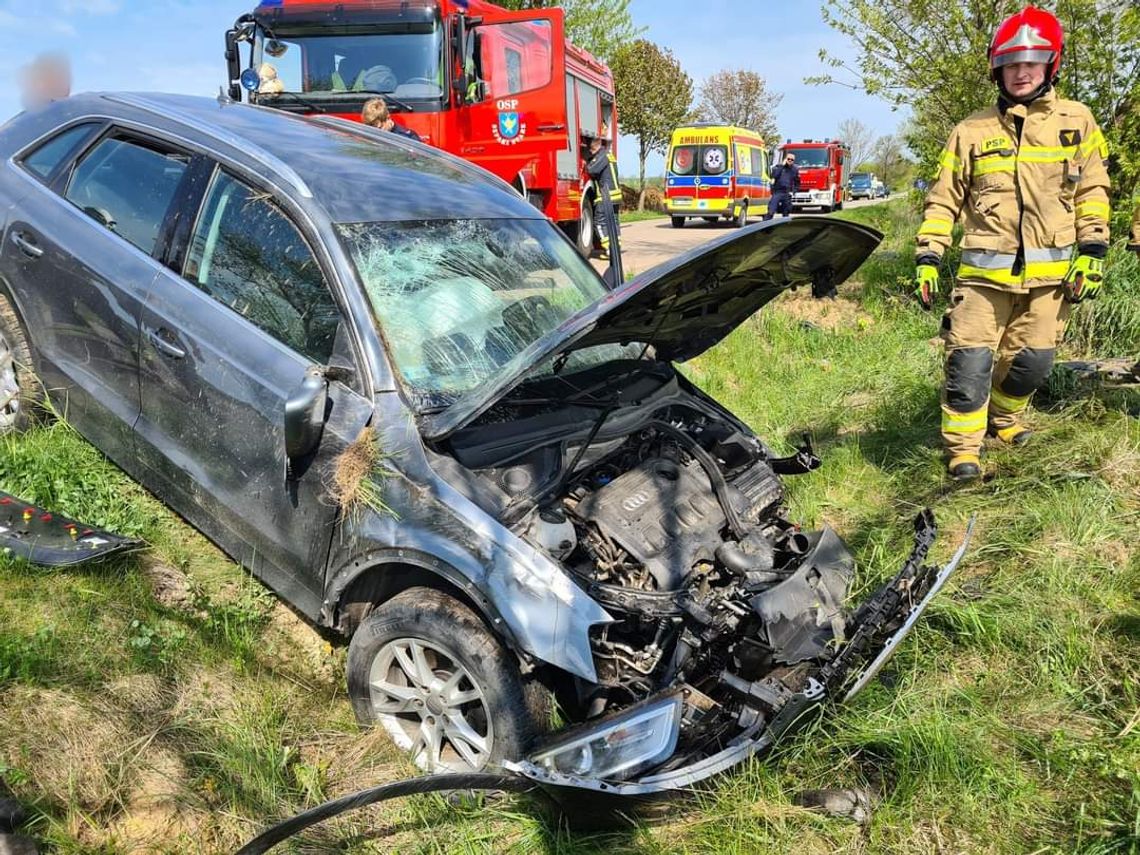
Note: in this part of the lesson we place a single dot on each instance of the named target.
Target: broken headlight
(625, 745)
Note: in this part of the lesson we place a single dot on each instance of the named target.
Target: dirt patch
(289, 643)
(75, 750)
(842, 313)
(171, 587)
(205, 692)
(155, 811)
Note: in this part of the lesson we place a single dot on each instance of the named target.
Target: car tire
(21, 392)
(585, 239)
(678, 222)
(825, 209)
(741, 218)
(401, 662)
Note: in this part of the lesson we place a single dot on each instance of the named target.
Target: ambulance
(716, 171)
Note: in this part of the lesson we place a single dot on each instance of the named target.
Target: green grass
(635, 216)
(1008, 723)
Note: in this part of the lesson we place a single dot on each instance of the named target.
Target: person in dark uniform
(785, 182)
(602, 167)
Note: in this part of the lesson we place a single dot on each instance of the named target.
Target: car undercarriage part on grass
(1114, 372)
(354, 801)
(43, 537)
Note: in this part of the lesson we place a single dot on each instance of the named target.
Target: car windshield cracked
(459, 302)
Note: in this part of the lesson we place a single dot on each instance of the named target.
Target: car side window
(47, 157)
(127, 186)
(247, 255)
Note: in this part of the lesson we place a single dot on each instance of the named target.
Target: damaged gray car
(543, 519)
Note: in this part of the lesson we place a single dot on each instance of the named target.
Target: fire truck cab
(504, 90)
(823, 166)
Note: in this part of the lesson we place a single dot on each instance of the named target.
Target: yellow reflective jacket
(1134, 238)
(1041, 191)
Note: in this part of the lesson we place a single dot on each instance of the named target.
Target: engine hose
(408, 787)
(716, 477)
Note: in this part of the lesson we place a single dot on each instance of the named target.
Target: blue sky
(176, 46)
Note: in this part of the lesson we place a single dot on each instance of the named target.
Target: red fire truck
(823, 166)
(504, 90)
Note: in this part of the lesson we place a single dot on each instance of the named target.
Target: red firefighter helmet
(1031, 35)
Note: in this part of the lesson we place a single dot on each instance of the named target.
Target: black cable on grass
(398, 789)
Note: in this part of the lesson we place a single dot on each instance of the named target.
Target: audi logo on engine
(635, 501)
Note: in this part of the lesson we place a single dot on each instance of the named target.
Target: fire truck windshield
(460, 302)
(810, 158)
(406, 65)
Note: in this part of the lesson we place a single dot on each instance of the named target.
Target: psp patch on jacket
(1070, 137)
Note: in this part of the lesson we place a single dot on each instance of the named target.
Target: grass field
(169, 703)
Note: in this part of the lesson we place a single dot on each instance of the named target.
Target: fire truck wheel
(585, 237)
(678, 222)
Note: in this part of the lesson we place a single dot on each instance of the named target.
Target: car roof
(356, 173)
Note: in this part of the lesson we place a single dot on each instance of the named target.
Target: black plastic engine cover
(804, 614)
(664, 514)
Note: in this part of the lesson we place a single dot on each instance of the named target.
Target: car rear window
(44, 160)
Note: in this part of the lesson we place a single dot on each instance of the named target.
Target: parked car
(862, 186)
(231, 299)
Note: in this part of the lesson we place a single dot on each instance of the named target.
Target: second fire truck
(823, 166)
(504, 90)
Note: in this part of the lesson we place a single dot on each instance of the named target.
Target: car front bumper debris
(771, 707)
(43, 537)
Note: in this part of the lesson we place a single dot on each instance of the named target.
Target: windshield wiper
(403, 106)
(304, 102)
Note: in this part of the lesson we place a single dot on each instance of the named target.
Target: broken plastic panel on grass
(44, 537)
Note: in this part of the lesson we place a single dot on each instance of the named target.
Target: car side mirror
(305, 414)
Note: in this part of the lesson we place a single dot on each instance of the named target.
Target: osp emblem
(510, 129)
(637, 500)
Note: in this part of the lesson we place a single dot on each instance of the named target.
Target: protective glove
(926, 284)
(1085, 276)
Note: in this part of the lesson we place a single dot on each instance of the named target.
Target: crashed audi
(392, 390)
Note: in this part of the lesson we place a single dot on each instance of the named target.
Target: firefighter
(785, 182)
(1027, 179)
(602, 167)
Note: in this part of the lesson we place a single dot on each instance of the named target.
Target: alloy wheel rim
(431, 706)
(9, 385)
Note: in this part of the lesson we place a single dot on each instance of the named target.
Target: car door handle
(163, 345)
(550, 127)
(27, 245)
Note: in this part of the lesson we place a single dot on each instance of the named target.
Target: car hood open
(687, 304)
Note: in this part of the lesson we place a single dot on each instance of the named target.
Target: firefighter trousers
(999, 349)
(601, 227)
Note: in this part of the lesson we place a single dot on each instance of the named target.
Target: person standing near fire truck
(785, 182)
(1027, 178)
(602, 167)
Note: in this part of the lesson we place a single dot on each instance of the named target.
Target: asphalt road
(649, 242)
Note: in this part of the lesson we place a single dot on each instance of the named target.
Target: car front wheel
(427, 670)
(18, 384)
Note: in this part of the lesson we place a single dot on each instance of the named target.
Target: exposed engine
(679, 533)
(669, 513)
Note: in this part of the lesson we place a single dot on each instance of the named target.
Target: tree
(599, 26)
(653, 97)
(858, 137)
(887, 155)
(739, 97)
(930, 55)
